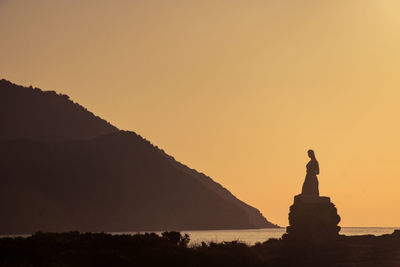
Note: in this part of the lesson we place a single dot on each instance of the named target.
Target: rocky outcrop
(312, 218)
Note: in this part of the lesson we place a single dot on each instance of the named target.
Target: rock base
(313, 219)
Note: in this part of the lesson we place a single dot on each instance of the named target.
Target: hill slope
(109, 181)
(27, 112)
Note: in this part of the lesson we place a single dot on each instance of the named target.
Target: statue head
(311, 154)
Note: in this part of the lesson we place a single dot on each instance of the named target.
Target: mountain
(27, 112)
(85, 174)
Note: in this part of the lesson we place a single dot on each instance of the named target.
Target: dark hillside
(117, 182)
(27, 112)
(113, 182)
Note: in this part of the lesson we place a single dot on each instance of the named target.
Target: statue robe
(310, 186)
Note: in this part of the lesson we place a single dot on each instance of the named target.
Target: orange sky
(238, 90)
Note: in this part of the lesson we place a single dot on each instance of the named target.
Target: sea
(252, 236)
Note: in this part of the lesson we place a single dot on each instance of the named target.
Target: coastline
(171, 249)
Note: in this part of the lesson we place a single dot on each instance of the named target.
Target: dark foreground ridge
(171, 249)
(63, 168)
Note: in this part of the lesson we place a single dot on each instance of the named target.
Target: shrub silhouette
(100, 249)
(171, 249)
(176, 238)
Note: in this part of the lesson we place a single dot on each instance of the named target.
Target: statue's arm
(317, 168)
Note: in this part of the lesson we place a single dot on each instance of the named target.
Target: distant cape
(62, 168)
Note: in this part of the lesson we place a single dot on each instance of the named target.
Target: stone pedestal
(313, 219)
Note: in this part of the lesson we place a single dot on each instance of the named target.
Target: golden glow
(236, 89)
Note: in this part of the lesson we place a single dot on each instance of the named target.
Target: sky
(238, 90)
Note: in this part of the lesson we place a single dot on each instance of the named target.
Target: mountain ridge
(67, 119)
(84, 165)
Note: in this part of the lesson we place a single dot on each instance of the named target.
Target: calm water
(253, 236)
(260, 235)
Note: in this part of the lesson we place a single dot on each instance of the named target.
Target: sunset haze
(238, 90)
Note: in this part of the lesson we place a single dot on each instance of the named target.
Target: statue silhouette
(312, 219)
(310, 186)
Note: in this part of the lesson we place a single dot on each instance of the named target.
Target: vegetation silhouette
(172, 249)
(62, 169)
